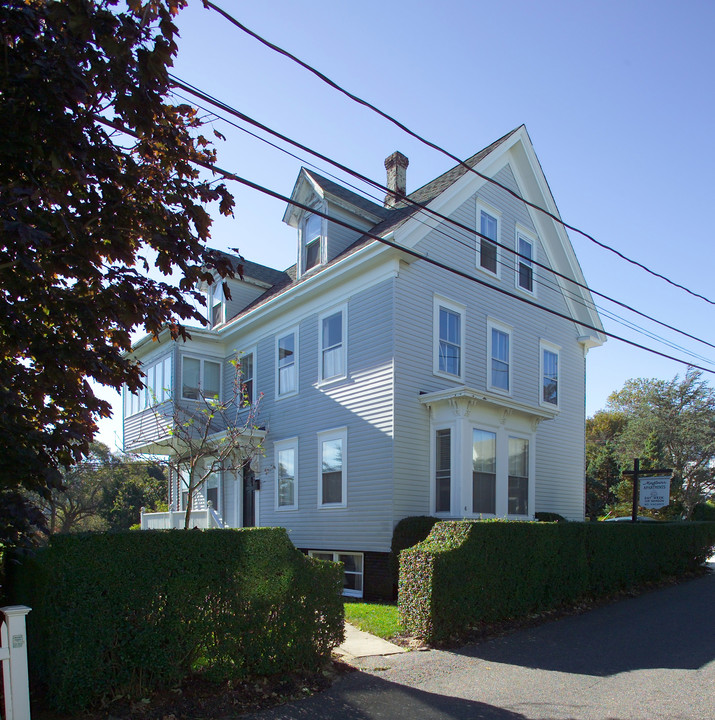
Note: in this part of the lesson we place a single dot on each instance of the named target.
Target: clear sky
(618, 98)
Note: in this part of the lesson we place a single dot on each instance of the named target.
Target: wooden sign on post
(654, 492)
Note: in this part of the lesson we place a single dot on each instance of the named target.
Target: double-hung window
(487, 255)
(518, 502)
(443, 471)
(200, 379)
(352, 569)
(499, 357)
(332, 345)
(312, 237)
(216, 303)
(287, 380)
(332, 480)
(246, 378)
(549, 374)
(484, 471)
(158, 382)
(525, 263)
(286, 458)
(449, 321)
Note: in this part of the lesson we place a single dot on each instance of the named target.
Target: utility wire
(423, 140)
(413, 253)
(196, 92)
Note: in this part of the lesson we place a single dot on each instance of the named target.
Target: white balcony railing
(203, 519)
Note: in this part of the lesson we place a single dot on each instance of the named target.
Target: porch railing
(203, 519)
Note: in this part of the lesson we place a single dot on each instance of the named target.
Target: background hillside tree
(666, 423)
(85, 211)
(103, 492)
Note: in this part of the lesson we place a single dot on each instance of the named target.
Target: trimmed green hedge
(407, 533)
(129, 612)
(468, 572)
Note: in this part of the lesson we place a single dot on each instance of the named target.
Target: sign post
(654, 491)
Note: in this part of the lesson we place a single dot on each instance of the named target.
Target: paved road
(648, 658)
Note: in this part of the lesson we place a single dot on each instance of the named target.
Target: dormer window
(216, 303)
(312, 236)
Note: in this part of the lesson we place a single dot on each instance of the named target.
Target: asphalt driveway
(650, 657)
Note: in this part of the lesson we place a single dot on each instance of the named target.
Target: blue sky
(617, 97)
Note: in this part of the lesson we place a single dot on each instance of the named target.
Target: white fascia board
(331, 286)
(518, 153)
(171, 445)
(304, 187)
(494, 399)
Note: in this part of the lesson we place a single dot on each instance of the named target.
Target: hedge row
(469, 572)
(130, 612)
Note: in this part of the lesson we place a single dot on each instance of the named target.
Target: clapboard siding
(559, 442)
(362, 403)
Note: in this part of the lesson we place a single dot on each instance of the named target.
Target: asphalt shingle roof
(393, 218)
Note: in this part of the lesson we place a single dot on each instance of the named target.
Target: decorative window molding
(200, 378)
(287, 363)
(448, 328)
(489, 229)
(549, 371)
(332, 345)
(159, 384)
(332, 468)
(499, 354)
(524, 262)
(286, 474)
(353, 569)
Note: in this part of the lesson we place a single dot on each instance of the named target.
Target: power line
(196, 92)
(408, 251)
(455, 158)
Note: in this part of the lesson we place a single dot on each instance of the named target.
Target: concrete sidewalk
(359, 644)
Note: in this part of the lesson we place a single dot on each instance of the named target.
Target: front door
(249, 496)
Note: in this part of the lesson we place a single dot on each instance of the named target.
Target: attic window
(312, 235)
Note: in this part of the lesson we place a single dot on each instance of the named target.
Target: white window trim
(343, 309)
(531, 494)
(438, 302)
(303, 245)
(496, 214)
(335, 434)
(546, 345)
(279, 336)
(149, 396)
(244, 353)
(336, 554)
(201, 360)
(529, 237)
(497, 325)
(433, 468)
(287, 444)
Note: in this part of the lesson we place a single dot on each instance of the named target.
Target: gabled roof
(310, 183)
(256, 271)
(452, 182)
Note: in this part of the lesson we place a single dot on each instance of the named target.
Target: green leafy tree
(672, 424)
(134, 485)
(603, 464)
(98, 182)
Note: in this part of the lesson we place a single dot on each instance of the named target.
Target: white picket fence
(13, 654)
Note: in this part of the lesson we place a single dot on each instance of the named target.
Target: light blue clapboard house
(390, 386)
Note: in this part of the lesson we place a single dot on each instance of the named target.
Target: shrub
(704, 511)
(549, 517)
(468, 572)
(407, 533)
(132, 611)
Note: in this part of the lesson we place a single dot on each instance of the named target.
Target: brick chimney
(396, 166)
